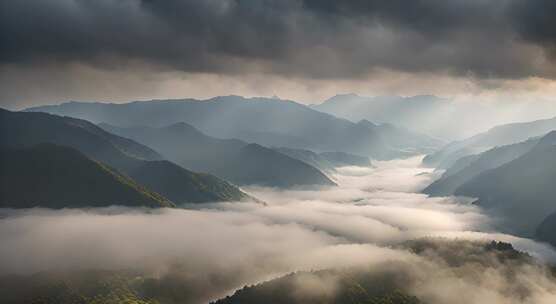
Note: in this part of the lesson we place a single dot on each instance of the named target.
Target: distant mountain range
(497, 136)
(345, 159)
(416, 113)
(142, 164)
(268, 122)
(428, 114)
(230, 159)
(314, 159)
(423, 113)
(522, 192)
(326, 161)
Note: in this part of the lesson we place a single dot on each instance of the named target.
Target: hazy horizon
(339, 152)
(302, 50)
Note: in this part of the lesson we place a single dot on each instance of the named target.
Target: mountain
(326, 161)
(312, 158)
(521, 192)
(497, 136)
(27, 129)
(403, 139)
(345, 159)
(394, 283)
(231, 159)
(54, 176)
(281, 168)
(184, 186)
(471, 166)
(460, 164)
(423, 113)
(546, 232)
(132, 287)
(349, 287)
(429, 114)
(22, 129)
(268, 122)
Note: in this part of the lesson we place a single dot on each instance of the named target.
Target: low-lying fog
(225, 246)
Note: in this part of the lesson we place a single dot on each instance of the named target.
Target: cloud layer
(317, 39)
(224, 246)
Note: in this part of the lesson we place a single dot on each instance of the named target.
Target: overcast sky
(307, 50)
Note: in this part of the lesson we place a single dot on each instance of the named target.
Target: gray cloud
(535, 22)
(317, 39)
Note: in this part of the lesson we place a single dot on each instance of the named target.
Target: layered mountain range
(514, 183)
(265, 121)
(231, 159)
(120, 156)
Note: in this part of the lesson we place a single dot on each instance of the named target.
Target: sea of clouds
(215, 248)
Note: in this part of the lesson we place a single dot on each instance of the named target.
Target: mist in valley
(277, 151)
(210, 250)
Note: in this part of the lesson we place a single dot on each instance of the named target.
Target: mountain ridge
(49, 175)
(235, 160)
(500, 135)
(23, 129)
(520, 192)
(269, 122)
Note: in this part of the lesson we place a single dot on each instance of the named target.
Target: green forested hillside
(183, 186)
(394, 282)
(350, 288)
(24, 129)
(53, 176)
(82, 287)
(391, 284)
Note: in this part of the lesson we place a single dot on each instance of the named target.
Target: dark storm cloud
(535, 21)
(311, 38)
(427, 16)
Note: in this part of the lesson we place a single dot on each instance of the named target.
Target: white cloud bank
(242, 243)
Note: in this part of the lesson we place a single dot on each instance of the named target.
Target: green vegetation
(22, 129)
(183, 186)
(326, 286)
(389, 283)
(383, 285)
(78, 287)
(53, 176)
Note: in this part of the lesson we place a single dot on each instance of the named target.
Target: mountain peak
(366, 123)
(549, 139)
(64, 177)
(181, 126)
(340, 97)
